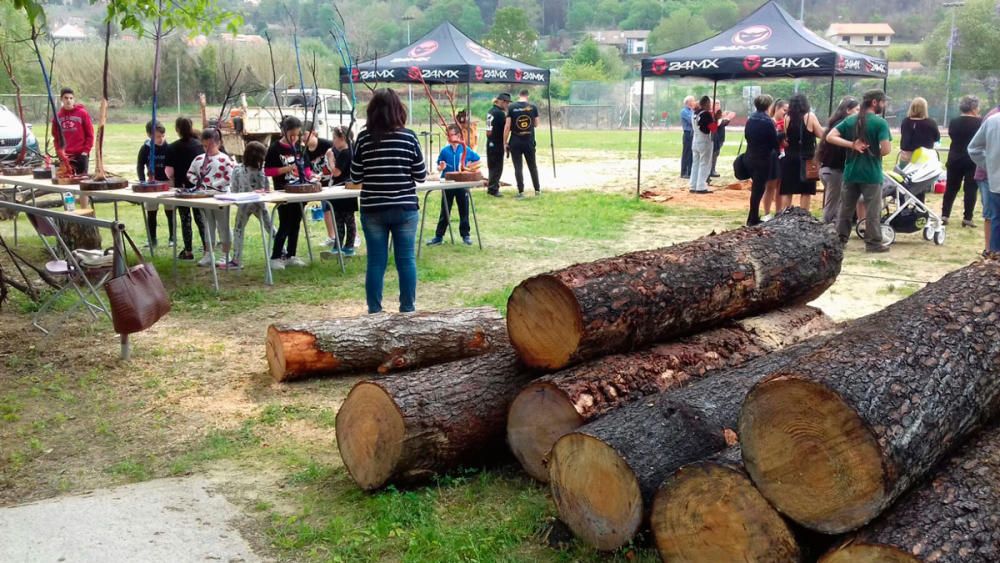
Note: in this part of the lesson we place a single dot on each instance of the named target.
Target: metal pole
(951, 52)
(178, 73)
(552, 138)
(833, 77)
(638, 170)
(409, 87)
(468, 114)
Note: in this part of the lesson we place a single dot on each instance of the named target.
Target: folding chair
(65, 266)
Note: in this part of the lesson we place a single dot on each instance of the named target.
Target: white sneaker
(296, 262)
(206, 260)
(277, 264)
(331, 242)
(767, 217)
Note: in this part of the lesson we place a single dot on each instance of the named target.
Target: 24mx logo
(387, 74)
(790, 62)
(874, 67)
(703, 64)
(659, 66)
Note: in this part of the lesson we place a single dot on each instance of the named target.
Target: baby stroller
(902, 210)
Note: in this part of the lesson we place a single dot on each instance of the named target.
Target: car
(10, 136)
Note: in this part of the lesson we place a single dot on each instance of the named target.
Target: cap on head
(503, 97)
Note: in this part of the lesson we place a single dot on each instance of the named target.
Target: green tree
(609, 13)
(977, 43)
(642, 14)
(587, 52)
(580, 16)
(134, 15)
(512, 35)
(532, 10)
(464, 14)
(722, 14)
(679, 29)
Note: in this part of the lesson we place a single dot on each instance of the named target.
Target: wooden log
(835, 438)
(556, 404)
(408, 427)
(626, 302)
(710, 511)
(76, 235)
(605, 474)
(387, 342)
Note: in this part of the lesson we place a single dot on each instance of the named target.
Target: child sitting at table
(249, 177)
(213, 170)
(159, 175)
(450, 160)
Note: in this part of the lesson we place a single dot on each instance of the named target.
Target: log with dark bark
(952, 517)
(626, 302)
(77, 235)
(710, 511)
(387, 342)
(556, 404)
(835, 438)
(604, 475)
(408, 427)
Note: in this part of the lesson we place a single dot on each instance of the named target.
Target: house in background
(860, 34)
(901, 67)
(631, 42)
(70, 32)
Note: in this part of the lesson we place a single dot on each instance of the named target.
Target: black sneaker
(494, 194)
(436, 241)
(876, 249)
(185, 255)
(467, 241)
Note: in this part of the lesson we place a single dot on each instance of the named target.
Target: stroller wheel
(928, 233)
(860, 228)
(888, 235)
(939, 237)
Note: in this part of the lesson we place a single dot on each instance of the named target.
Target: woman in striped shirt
(388, 163)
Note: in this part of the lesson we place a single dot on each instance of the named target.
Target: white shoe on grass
(295, 262)
(277, 264)
(206, 260)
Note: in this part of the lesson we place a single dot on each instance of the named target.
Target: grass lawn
(196, 397)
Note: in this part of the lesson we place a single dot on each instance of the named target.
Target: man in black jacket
(522, 119)
(496, 120)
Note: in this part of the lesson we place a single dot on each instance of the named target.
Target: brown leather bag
(138, 298)
(810, 170)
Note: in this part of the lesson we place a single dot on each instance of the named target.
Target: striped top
(388, 170)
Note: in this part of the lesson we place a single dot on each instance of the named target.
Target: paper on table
(239, 197)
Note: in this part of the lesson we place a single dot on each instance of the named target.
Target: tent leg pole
(715, 91)
(468, 112)
(638, 170)
(833, 78)
(552, 139)
(430, 128)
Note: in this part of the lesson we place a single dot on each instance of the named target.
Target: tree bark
(952, 517)
(409, 427)
(80, 236)
(605, 474)
(835, 438)
(559, 403)
(710, 511)
(623, 303)
(387, 342)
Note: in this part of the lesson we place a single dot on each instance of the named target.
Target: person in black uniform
(496, 123)
(522, 118)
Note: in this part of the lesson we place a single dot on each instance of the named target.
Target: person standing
(387, 164)
(283, 163)
(701, 147)
(961, 169)
(917, 131)
(158, 140)
(984, 193)
(522, 119)
(719, 138)
(450, 160)
(868, 137)
(831, 160)
(180, 154)
(802, 128)
(344, 209)
(771, 196)
(213, 170)
(762, 141)
(984, 150)
(74, 136)
(496, 120)
(470, 129)
(687, 126)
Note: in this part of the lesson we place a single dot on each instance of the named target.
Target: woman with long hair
(284, 164)
(771, 194)
(917, 130)
(387, 164)
(802, 128)
(832, 159)
(762, 142)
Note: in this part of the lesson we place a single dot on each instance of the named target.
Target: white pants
(701, 164)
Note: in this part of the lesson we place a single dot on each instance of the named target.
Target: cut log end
(544, 322)
(370, 431)
(540, 415)
(711, 512)
(811, 455)
(602, 505)
(292, 354)
(868, 553)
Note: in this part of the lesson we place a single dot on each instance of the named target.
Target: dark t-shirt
(142, 162)
(279, 155)
(522, 118)
(496, 120)
(961, 130)
(180, 154)
(342, 162)
(317, 161)
(917, 133)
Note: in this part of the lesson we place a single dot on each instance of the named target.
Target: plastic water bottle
(69, 201)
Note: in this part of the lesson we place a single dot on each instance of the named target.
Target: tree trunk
(835, 438)
(80, 236)
(952, 517)
(559, 403)
(409, 427)
(387, 342)
(710, 511)
(626, 302)
(604, 475)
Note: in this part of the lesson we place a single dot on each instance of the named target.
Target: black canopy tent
(448, 56)
(769, 43)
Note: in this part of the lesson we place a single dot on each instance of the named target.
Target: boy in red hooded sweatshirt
(74, 132)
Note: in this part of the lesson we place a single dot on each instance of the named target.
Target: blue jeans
(995, 222)
(984, 194)
(402, 225)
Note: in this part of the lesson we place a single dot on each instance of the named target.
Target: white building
(629, 42)
(69, 32)
(860, 34)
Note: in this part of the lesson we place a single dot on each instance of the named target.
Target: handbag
(810, 166)
(137, 297)
(740, 168)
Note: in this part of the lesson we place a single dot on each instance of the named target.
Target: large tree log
(409, 427)
(387, 342)
(604, 475)
(557, 404)
(627, 302)
(835, 438)
(710, 511)
(954, 517)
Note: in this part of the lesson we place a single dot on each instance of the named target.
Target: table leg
(475, 221)
(336, 236)
(145, 221)
(264, 240)
(423, 215)
(126, 347)
(173, 235)
(115, 203)
(447, 215)
(305, 225)
(210, 233)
